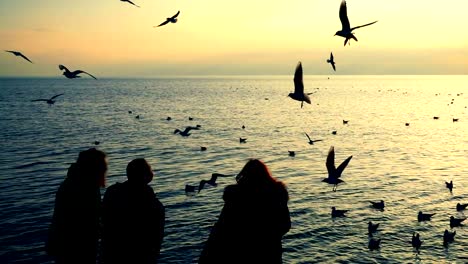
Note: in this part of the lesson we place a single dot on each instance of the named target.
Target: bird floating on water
(461, 207)
(203, 148)
(292, 153)
(172, 19)
(449, 237)
(331, 61)
(74, 74)
(372, 228)
(374, 244)
(338, 213)
(242, 140)
(311, 142)
(345, 122)
(424, 217)
(449, 185)
(130, 2)
(17, 53)
(346, 29)
(299, 94)
(334, 173)
(378, 205)
(190, 188)
(456, 222)
(49, 101)
(416, 241)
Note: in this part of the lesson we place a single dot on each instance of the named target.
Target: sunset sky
(110, 38)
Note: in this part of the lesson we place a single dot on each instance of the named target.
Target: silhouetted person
(74, 232)
(253, 220)
(133, 218)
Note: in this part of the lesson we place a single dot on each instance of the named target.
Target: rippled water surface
(404, 165)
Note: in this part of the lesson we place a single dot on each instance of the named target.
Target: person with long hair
(74, 231)
(253, 220)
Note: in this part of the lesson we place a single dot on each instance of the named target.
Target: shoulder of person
(230, 192)
(281, 191)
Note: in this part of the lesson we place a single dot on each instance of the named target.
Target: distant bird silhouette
(137, 117)
(243, 127)
(17, 53)
(211, 181)
(334, 173)
(49, 101)
(311, 142)
(436, 117)
(299, 94)
(172, 19)
(454, 119)
(372, 228)
(456, 222)
(345, 122)
(168, 118)
(416, 241)
(242, 140)
(338, 213)
(346, 29)
(461, 207)
(190, 118)
(378, 205)
(331, 61)
(130, 112)
(97, 142)
(74, 74)
(449, 185)
(190, 188)
(203, 148)
(424, 217)
(185, 133)
(374, 244)
(130, 2)
(292, 153)
(334, 132)
(406, 124)
(449, 237)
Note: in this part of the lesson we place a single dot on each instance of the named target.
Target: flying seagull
(185, 133)
(311, 142)
(299, 94)
(211, 181)
(17, 53)
(172, 19)
(334, 173)
(331, 61)
(50, 101)
(130, 2)
(74, 74)
(346, 29)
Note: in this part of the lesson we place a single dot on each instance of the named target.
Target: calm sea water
(404, 165)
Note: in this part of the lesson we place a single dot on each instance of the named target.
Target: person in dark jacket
(252, 222)
(74, 231)
(133, 218)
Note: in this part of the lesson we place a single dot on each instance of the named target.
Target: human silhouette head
(254, 173)
(139, 172)
(90, 167)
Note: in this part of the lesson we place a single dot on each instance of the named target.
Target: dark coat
(74, 232)
(250, 227)
(133, 224)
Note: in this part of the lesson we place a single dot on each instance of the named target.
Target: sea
(406, 165)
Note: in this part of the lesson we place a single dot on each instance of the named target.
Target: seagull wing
(308, 137)
(331, 162)
(24, 57)
(163, 23)
(174, 16)
(342, 166)
(131, 3)
(345, 26)
(298, 82)
(80, 71)
(55, 96)
(333, 65)
(363, 25)
(331, 57)
(61, 67)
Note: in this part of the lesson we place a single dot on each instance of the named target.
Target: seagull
(50, 101)
(372, 228)
(190, 118)
(449, 237)
(449, 185)
(96, 142)
(242, 140)
(137, 116)
(346, 29)
(416, 241)
(299, 94)
(378, 205)
(345, 122)
(185, 133)
(406, 124)
(331, 61)
(311, 142)
(189, 188)
(203, 148)
(456, 222)
(130, 2)
(374, 244)
(436, 117)
(424, 217)
(74, 74)
(172, 19)
(461, 207)
(211, 181)
(17, 53)
(334, 132)
(334, 173)
(454, 119)
(168, 118)
(338, 213)
(243, 127)
(292, 153)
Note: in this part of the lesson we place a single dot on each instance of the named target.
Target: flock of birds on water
(334, 173)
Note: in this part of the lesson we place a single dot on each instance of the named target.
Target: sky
(110, 38)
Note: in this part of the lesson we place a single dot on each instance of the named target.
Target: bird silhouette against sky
(73, 74)
(130, 2)
(299, 94)
(185, 133)
(346, 29)
(172, 19)
(311, 142)
(17, 53)
(49, 101)
(331, 61)
(334, 173)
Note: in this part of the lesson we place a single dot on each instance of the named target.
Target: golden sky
(113, 38)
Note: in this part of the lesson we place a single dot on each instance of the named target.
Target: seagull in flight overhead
(50, 101)
(334, 173)
(172, 19)
(130, 2)
(185, 133)
(331, 61)
(17, 53)
(211, 181)
(311, 142)
(346, 29)
(299, 94)
(74, 74)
